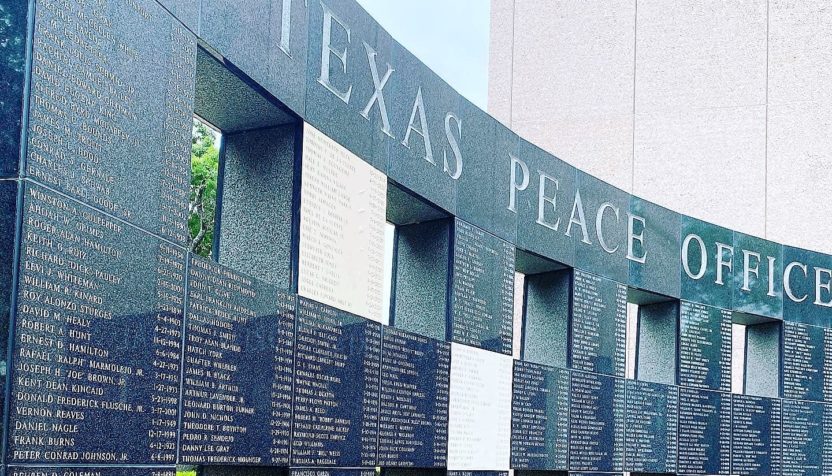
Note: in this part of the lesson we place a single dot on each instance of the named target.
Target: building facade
(716, 109)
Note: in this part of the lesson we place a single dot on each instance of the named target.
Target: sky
(449, 36)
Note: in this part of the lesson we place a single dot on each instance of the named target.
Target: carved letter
(578, 206)
(787, 284)
(454, 146)
(378, 94)
(820, 286)
(599, 221)
(748, 270)
(542, 200)
(703, 257)
(419, 108)
(632, 237)
(721, 263)
(285, 26)
(771, 261)
(512, 193)
(327, 51)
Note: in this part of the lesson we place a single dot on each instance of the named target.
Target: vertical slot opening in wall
(737, 358)
(652, 337)
(542, 296)
(419, 263)
(206, 144)
(255, 183)
(755, 355)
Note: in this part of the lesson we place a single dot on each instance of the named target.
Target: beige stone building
(718, 109)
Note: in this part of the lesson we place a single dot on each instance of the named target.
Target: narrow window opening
(202, 206)
(542, 301)
(737, 358)
(756, 355)
(652, 336)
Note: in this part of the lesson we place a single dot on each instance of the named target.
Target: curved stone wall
(128, 355)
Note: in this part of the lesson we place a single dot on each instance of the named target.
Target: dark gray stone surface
(800, 306)
(704, 432)
(704, 347)
(541, 227)
(596, 423)
(422, 259)
(115, 140)
(652, 418)
(756, 435)
(405, 208)
(8, 228)
(702, 284)
(100, 471)
(413, 407)
(610, 262)
(186, 11)
(13, 34)
(598, 325)
(761, 292)
(540, 417)
(807, 373)
(546, 318)
(227, 102)
(236, 328)
(659, 248)
(97, 345)
(251, 36)
(482, 289)
(256, 211)
(340, 117)
(482, 191)
(414, 165)
(658, 326)
(762, 359)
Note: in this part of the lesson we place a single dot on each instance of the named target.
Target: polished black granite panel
(99, 129)
(539, 417)
(755, 436)
(238, 331)
(336, 404)
(704, 432)
(413, 412)
(482, 289)
(805, 446)
(806, 373)
(596, 423)
(599, 320)
(13, 35)
(90, 471)
(98, 335)
(704, 347)
(8, 220)
(651, 422)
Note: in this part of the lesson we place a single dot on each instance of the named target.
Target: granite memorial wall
(126, 354)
